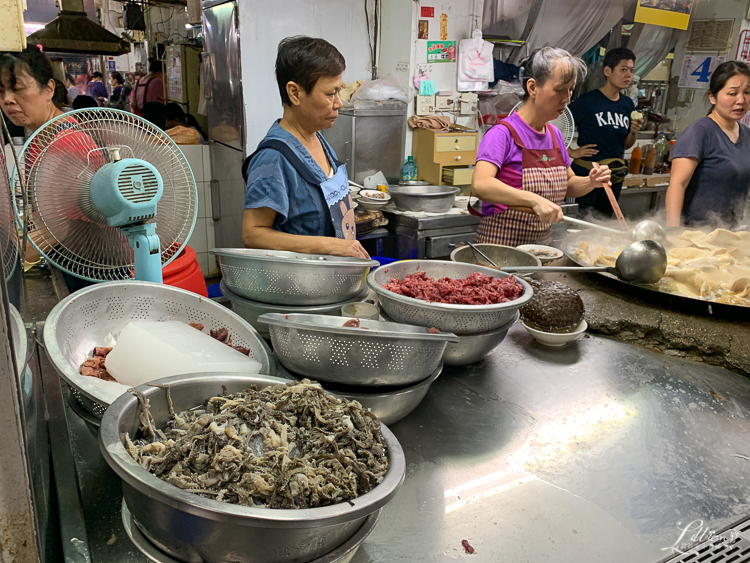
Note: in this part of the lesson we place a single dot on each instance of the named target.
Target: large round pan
(680, 303)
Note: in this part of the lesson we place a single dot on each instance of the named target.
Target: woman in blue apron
(297, 196)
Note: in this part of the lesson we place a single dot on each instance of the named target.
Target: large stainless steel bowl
(196, 529)
(342, 554)
(474, 348)
(458, 319)
(375, 353)
(499, 254)
(292, 278)
(95, 316)
(251, 310)
(389, 404)
(429, 199)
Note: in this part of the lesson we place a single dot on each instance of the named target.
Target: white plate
(534, 248)
(555, 339)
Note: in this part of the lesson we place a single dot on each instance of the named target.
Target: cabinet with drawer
(435, 151)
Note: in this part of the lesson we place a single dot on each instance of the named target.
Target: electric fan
(110, 196)
(8, 231)
(565, 123)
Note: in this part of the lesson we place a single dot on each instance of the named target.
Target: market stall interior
(171, 397)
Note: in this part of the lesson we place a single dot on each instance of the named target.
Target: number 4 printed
(703, 72)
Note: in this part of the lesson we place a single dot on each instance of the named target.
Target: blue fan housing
(126, 191)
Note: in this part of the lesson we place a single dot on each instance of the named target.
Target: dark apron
(335, 190)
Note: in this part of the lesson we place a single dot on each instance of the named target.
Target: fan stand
(147, 255)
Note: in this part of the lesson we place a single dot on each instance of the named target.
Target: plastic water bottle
(409, 170)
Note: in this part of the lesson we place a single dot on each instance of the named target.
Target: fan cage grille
(60, 160)
(565, 123)
(8, 231)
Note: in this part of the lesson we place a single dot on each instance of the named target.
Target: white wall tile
(206, 153)
(213, 266)
(207, 198)
(201, 189)
(194, 156)
(198, 240)
(210, 234)
(202, 259)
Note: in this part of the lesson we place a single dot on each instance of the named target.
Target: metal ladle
(642, 262)
(645, 230)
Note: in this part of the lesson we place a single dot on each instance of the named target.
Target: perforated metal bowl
(95, 316)
(292, 278)
(458, 319)
(251, 310)
(376, 353)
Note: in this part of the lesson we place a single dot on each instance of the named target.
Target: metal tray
(681, 303)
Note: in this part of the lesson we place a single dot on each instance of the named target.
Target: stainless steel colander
(292, 278)
(95, 316)
(375, 353)
(458, 319)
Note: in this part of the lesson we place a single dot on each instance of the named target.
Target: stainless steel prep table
(427, 237)
(599, 451)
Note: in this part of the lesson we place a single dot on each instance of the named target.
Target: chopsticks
(613, 201)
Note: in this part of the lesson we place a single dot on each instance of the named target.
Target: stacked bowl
(480, 328)
(387, 367)
(257, 282)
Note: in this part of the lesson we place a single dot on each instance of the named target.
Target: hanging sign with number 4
(697, 69)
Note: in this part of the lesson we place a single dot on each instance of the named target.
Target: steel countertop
(599, 451)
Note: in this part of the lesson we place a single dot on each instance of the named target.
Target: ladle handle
(571, 220)
(591, 225)
(532, 269)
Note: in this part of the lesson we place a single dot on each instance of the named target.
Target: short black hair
(31, 61)
(156, 113)
(155, 66)
(60, 97)
(615, 56)
(304, 60)
(97, 74)
(117, 77)
(83, 102)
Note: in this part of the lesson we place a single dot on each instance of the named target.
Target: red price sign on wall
(428, 12)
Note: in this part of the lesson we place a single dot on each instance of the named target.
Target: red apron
(544, 173)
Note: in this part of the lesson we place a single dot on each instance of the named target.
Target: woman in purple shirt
(523, 169)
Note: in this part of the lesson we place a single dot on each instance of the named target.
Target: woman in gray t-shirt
(711, 159)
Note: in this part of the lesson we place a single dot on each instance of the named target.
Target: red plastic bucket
(185, 272)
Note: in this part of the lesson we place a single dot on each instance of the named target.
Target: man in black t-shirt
(605, 128)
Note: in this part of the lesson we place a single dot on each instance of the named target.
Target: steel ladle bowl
(642, 262)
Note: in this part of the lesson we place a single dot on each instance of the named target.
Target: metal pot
(499, 254)
(428, 199)
(476, 347)
(196, 529)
